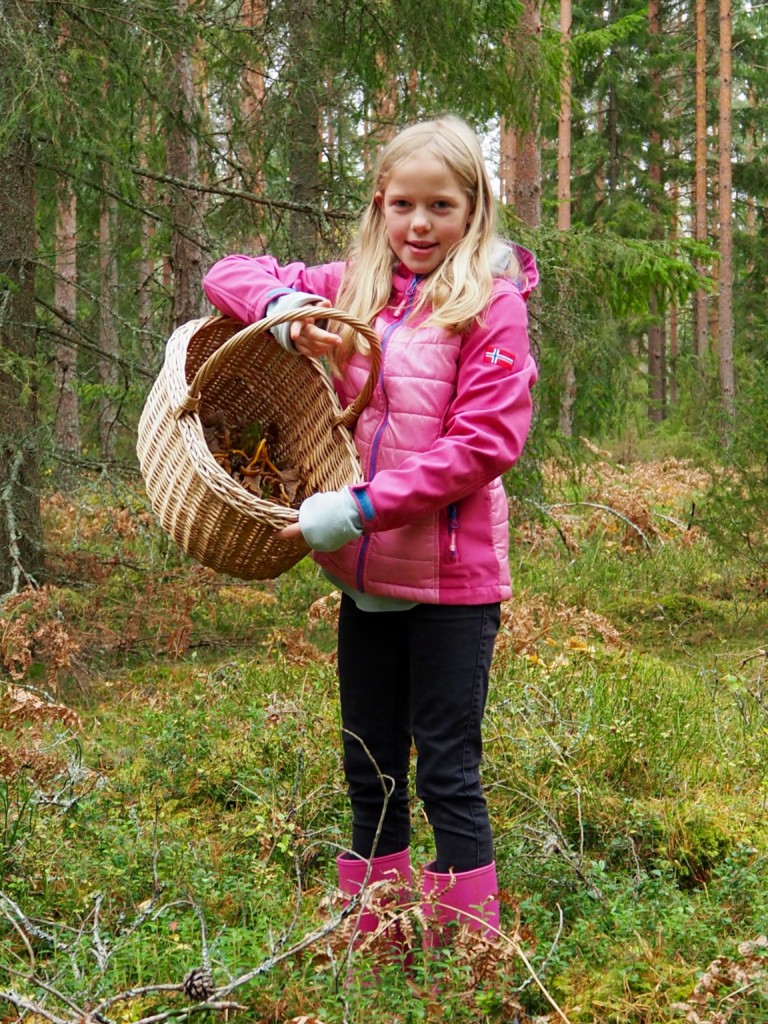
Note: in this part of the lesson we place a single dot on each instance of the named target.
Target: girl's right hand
(311, 340)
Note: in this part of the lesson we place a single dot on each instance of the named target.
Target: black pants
(420, 675)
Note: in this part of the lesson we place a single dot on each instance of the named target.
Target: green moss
(672, 609)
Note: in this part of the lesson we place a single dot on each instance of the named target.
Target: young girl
(420, 549)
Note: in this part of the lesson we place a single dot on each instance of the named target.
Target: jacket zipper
(405, 309)
(453, 531)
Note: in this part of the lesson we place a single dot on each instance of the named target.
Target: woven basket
(215, 365)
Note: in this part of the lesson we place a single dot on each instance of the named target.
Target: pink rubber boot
(395, 868)
(469, 898)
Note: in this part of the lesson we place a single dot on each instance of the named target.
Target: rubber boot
(395, 868)
(467, 898)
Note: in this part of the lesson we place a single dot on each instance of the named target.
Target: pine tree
(725, 177)
(20, 524)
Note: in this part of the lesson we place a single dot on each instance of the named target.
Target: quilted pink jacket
(449, 416)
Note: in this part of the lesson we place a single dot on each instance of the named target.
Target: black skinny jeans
(419, 675)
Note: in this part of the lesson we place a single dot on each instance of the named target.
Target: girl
(420, 549)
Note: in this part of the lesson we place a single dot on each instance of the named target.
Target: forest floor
(172, 798)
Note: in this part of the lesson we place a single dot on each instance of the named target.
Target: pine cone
(198, 985)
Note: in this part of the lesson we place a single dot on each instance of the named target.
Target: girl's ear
(378, 198)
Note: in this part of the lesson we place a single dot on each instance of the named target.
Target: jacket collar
(402, 280)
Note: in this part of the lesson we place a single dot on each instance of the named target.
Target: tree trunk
(507, 158)
(568, 381)
(147, 268)
(700, 313)
(528, 179)
(528, 150)
(304, 131)
(66, 423)
(252, 15)
(527, 170)
(725, 293)
(66, 427)
(674, 352)
(108, 340)
(385, 106)
(184, 165)
(600, 169)
(21, 552)
(568, 391)
(564, 124)
(751, 219)
(656, 335)
(612, 128)
(674, 313)
(674, 227)
(380, 124)
(656, 365)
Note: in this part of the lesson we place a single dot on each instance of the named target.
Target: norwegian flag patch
(499, 356)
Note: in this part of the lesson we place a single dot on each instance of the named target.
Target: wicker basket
(215, 365)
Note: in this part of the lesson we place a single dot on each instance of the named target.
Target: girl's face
(425, 212)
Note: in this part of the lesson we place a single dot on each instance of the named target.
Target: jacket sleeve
(286, 304)
(486, 426)
(243, 286)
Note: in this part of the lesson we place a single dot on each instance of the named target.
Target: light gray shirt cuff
(330, 519)
(286, 304)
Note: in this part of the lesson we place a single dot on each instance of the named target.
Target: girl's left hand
(292, 532)
(327, 521)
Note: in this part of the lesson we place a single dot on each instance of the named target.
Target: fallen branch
(552, 948)
(9, 996)
(604, 508)
(7, 496)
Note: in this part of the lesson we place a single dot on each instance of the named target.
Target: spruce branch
(239, 193)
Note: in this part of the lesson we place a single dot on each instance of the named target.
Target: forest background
(143, 140)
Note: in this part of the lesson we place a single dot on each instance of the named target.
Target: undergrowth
(172, 795)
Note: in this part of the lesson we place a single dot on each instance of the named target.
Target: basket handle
(350, 415)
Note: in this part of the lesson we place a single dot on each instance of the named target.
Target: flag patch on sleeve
(499, 356)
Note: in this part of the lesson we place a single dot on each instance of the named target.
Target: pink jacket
(449, 416)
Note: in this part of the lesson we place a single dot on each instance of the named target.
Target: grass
(172, 792)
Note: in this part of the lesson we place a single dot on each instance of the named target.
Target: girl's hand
(327, 521)
(311, 340)
(291, 532)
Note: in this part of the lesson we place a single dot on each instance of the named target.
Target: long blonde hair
(458, 290)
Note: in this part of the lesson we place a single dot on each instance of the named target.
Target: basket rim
(349, 416)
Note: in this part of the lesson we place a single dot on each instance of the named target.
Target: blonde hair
(459, 289)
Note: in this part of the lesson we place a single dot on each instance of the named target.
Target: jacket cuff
(330, 519)
(286, 303)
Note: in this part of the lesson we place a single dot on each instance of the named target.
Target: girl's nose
(420, 221)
